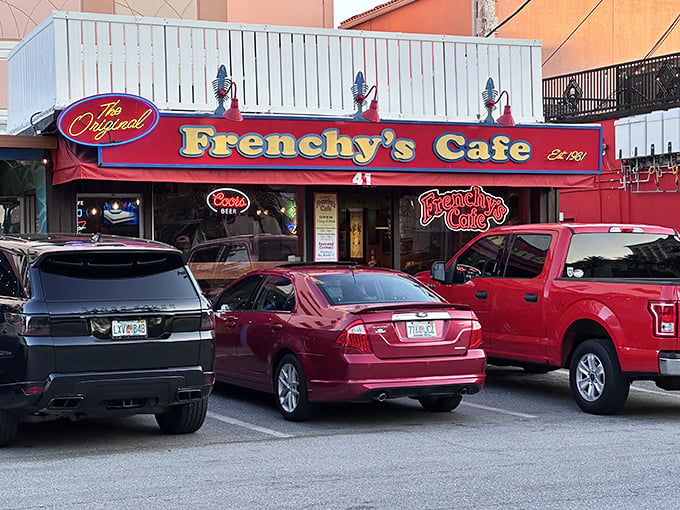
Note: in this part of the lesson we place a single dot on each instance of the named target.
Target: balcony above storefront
(616, 91)
(276, 70)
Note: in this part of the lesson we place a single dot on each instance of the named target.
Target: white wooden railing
(288, 70)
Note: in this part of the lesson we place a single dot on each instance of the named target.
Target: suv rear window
(350, 289)
(114, 276)
(623, 255)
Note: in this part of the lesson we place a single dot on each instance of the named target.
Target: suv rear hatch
(121, 310)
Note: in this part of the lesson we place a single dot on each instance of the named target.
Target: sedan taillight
(665, 317)
(354, 337)
(475, 335)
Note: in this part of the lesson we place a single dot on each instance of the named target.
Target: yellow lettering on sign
(251, 146)
(310, 146)
(280, 145)
(195, 140)
(449, 147)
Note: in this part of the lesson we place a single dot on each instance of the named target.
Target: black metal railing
(615, 91)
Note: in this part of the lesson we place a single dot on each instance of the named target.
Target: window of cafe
(188, 214)
(109, 214)
(429, 232)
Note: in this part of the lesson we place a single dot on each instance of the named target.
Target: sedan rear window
(114, 276)
(355, 288)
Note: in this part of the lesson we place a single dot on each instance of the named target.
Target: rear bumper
(99, 394)
(369, 378)
(669, 363)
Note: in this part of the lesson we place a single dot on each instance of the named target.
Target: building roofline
(377, 11)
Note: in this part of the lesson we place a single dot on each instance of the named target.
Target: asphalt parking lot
(520, 443)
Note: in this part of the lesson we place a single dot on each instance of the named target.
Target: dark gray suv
(101, 326)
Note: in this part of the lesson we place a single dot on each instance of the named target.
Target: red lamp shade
(233, 113)
(506, 119)
(372, 112)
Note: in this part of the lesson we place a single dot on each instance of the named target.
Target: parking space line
(656, 392)
(498, 410)
(662, 393)
(244, 424)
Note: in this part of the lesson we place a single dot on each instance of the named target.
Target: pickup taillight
(665, 316)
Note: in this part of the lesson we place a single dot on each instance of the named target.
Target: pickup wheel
(597, 382)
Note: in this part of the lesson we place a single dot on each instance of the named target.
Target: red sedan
(312, 333)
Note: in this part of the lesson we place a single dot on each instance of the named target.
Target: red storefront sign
(108, 119)
(280, 143)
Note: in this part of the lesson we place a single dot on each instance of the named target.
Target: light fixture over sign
(360, 92)
(491, 99)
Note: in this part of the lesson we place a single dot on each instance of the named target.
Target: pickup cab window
(623, 255)
(483, 258)
(527, 256)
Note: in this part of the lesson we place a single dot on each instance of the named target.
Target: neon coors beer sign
(471, 209)
(228, 201)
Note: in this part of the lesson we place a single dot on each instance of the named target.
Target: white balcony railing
(288, 70)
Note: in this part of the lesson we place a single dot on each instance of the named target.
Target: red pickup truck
(600, 300)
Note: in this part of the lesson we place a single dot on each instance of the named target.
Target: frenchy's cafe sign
(471, 209)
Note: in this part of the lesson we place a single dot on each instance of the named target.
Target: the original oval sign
(228, 201)
(108, 119)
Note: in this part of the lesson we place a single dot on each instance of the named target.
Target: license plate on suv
(128, 329)
(420, 329)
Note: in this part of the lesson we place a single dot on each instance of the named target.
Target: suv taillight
(476, 335)
(354, 337)
(665, 315)
(207, 320)
(29, 325)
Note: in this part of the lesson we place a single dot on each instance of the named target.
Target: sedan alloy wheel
(291, 390)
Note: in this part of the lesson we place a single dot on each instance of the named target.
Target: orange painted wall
(451, 17)
(617, 31)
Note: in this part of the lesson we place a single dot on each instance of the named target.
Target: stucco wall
(450, 17)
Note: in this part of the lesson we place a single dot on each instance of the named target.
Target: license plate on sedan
(128, 329)
(420, 329)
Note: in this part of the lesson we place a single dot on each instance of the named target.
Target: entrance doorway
(365, 226)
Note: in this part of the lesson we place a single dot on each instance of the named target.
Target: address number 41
(362, 178)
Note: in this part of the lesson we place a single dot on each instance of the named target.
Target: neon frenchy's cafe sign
(472, 209)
